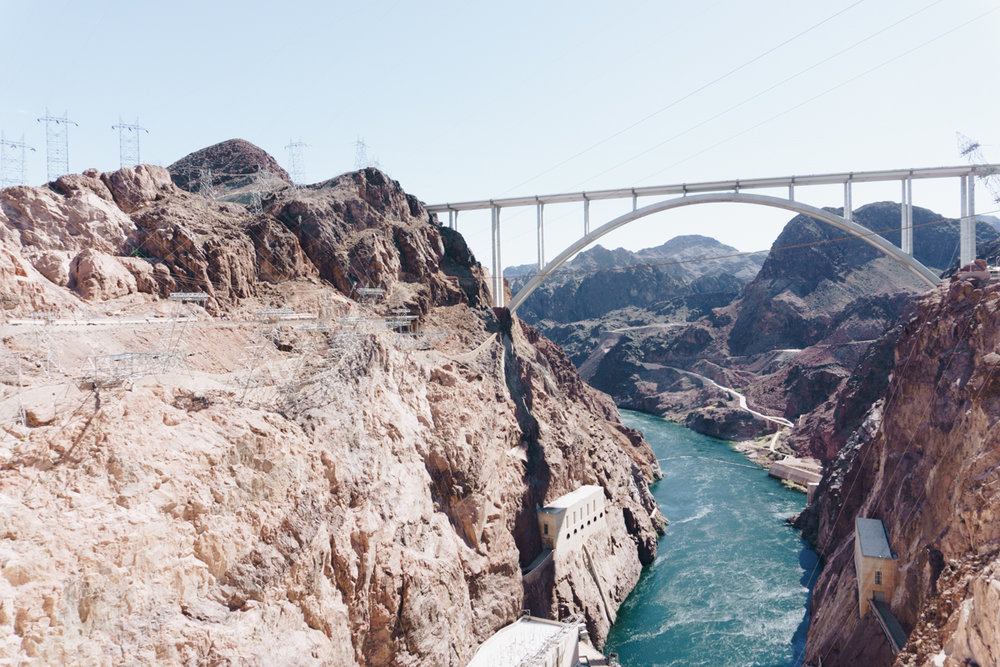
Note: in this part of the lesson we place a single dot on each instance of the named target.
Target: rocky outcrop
(228, 166)
(303, 492)
(924, 462)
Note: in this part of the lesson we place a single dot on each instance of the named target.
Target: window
(546, 531)
(878, 577)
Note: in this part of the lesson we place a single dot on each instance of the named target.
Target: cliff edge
(281, 473)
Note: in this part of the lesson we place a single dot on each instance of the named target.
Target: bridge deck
(722, 186)
(890, 626)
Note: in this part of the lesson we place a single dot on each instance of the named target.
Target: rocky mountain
(795, 335)
(925, 462)
(227, 170)
(276, 475)
(602, 288)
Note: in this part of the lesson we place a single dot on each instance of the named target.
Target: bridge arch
(866, 235)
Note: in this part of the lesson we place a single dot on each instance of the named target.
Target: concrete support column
(791, 192)
(586, 215)
(967, 233)
(635, 200)
(848, 207)
(541, 237)
(497, 261)
(451, 219)
(906, 217)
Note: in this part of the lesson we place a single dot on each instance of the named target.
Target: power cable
(687, 96)
(761, 93)
(822, 94)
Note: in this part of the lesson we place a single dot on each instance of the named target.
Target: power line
(822, 94)
(686, 96)
(761, 93)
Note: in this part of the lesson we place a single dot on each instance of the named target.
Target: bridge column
(848, 208)
(451, 219)
(541, 238)
(586, 215)
(791, 190)
(967, 231)
(635, 200)
(497, 263)
(906, 217)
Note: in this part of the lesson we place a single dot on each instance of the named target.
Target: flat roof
(516, 642)
(873, 537)
(572, 498)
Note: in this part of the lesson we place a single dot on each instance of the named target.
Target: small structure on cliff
(570, 519)
(536, 642)
(874, 562)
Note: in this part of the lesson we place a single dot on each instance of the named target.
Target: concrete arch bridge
(692, 194)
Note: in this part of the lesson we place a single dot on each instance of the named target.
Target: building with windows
(569, 520)
(874, 563)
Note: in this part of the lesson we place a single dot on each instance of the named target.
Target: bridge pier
(497, 262)
(906, 217)
(586, 215)
(967, 230)
(848, 208)
(541, 238)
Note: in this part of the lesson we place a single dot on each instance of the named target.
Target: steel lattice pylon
(56, 144)
(128, 141)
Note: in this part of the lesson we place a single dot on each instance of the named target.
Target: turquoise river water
(731, 582)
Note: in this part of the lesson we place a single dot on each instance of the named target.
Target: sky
(472, 100)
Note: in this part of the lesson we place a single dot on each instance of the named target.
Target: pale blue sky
(467, 100)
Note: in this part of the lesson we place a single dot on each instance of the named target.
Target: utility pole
(56, 144)
(13, 158)
(295, 164)
(128, 141)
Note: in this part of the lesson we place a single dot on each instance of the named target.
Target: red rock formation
(321, 496)
(926, 463)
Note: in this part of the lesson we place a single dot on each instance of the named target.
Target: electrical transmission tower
(360, 154)
(56, 143)
(971, 150)
(128, 141)
(13, 158)
(295, 165)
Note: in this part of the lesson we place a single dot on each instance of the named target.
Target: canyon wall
(219, 484)
(926, 463)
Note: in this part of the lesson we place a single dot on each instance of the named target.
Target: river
(731, 581)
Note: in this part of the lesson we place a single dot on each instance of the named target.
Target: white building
(569, 520)
(533, 641)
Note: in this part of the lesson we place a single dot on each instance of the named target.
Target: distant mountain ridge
(673, 279)
(787, 339)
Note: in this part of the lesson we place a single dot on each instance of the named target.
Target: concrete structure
(532, 642)
(688, 194)
(569, 520)
(874, 563)
(800, 471)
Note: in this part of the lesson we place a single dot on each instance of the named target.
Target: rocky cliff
(925, 462)
(241, 483)
(792, 338)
